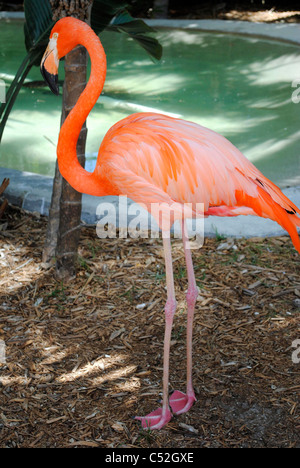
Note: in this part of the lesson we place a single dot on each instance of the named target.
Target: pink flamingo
(152, 158)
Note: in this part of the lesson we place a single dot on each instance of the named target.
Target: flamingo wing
(156, 158)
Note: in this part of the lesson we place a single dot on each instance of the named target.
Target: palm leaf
(13, 92)
(138, 30)
(103, 11)
(115, 17)
(38, 23)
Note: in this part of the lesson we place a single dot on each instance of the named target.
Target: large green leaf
(14, 90)
(138, 30)
(38, 23)
(114, 16)
(103, 11)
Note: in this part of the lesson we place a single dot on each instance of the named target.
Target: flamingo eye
(55, 36)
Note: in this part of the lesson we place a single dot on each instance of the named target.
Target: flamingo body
(153, 158)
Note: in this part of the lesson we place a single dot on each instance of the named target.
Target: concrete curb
(279, 31)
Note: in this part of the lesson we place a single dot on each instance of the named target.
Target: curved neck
(80, 179)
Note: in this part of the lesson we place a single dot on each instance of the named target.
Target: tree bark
(49, 250)
(4, 204)
(70, 200)
(77, 8)
(63, 228)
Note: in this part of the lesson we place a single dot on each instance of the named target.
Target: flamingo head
(65, 36)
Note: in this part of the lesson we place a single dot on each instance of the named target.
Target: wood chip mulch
(79, 360)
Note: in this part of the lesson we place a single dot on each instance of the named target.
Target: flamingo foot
(155, 420)
(180, 402)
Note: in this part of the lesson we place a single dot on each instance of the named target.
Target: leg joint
(192, 294)
(170, 307)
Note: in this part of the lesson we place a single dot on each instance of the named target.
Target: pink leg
(160, 417)
(181, 402)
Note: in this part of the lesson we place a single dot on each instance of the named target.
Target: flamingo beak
(49, 67)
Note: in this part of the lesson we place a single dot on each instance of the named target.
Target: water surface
(239, 86)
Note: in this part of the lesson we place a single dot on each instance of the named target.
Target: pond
(239, 86)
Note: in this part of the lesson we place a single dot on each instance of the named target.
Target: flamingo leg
(160, 417)
(181, 402)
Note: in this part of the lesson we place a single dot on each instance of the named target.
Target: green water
(240, 87)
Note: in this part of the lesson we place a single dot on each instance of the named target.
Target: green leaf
(112, 15)
(38, 20)
(138, 30)
(38, 24)
(103, 11)
(124, 17)
(14, 90)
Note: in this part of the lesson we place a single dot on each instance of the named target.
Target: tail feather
(279, 197)
(289, 222)
(296, 220)
(279, 209)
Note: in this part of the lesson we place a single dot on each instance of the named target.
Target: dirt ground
(82, 359)
(265, 16)
(241, 13)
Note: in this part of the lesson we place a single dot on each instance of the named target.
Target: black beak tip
(51, 80)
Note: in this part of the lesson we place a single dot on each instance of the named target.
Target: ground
(241, 13)
(81, 359)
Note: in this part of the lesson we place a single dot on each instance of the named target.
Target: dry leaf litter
(79, 360)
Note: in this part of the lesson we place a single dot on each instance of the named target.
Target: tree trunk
(49, 250)
(65, 211)
(70, 200)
